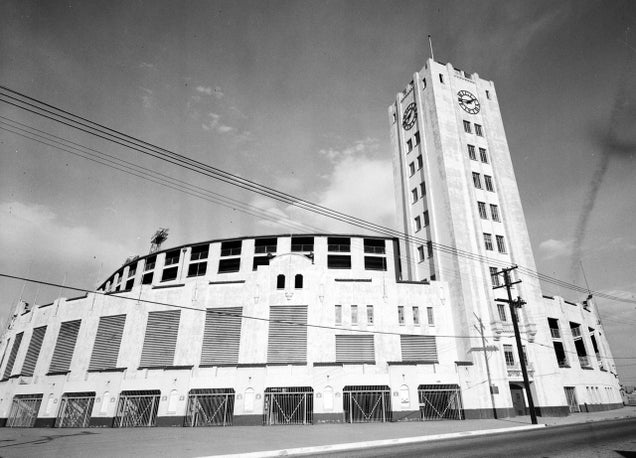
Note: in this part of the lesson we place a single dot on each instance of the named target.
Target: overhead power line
(53, 113)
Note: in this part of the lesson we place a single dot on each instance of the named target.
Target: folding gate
(210, 407)
(570, 395)
(288, 405)
(440, 402)
(75, 410)
(364, 404)
(24, 410)
(137, 408)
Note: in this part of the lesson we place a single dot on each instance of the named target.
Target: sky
(294, 95)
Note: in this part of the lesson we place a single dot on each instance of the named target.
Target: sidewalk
(192, 442)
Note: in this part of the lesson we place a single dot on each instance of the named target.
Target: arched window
(248, 399)
(105, 400)
(172, 401)
(327, 398)
(280, 282)
(298, 281)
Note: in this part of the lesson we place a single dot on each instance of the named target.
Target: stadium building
(310, 328)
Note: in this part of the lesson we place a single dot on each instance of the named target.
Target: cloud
(147, 65)
(147, 98)
(208, 90)
(552, 249)
(213, 124)
(366, 146)
(31, 232)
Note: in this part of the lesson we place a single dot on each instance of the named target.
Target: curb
(376, 443)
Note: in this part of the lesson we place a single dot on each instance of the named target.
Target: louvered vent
(107, 342)
(355, 349)
(63, 353)
(161, 338)
(34, 351)
(222, 336)
(287, 334)
(418, 348)
(13, 354)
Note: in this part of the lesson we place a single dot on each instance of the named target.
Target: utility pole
(514, 304)
(490, 386)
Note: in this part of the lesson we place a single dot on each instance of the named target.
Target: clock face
(468, 102)
(410, 115)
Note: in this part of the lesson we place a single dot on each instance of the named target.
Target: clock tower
(460, 209)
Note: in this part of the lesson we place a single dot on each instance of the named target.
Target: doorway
(518, 399)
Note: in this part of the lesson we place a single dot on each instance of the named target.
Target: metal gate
(210, 407)
(24, 410)
(364, 404)
(137, 408)
(440, 402)
(288, 405)
(75, 410)
(570, 395)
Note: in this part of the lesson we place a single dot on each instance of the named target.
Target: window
(488, 241)
(417, 138)
(509, 355)
(229, 265)
(471, 152)
(199, 253)
(409, 145)
(150, 263)
(411, 168)
(422, 189)
(375, 246)
(370, 316)
(414, 195)
(374, 263)
(147, 278)
(489, 185)
(501, 309)
(420, 162)
(265, 246)
(488, 94)
(494, 212)
(494, 277)
(298, 281)
(426, 219)
(340, 244)
(501, 244)
(467, 127)
(170, 273)
(416, 315)
(423, 83)
(441, 78)
(280, 281)
(132, 270)
(198, 261)
(299, 244)
(430, 316)
(476, 180)
(231, 248)
(418, 223)
(354, 315)
(260, 261)
(482, 210)
(429, 249)
(338, 314)
(401, 314)
(420, 253)
(338, 262)
(478, 130)
(130, 283)
(172, 257)
(483, 155)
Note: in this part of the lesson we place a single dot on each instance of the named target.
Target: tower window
(354, 315)
(488, 182)
(414, 194)
(420, 163)
(400, 314)
(298, 281)
(430, 316)
(338, 314)
(467, 127)
(494, 277)
(416, 315)
(423, 189)
(409, 145)
(441, 78)
(412, 169)
(425, 217)
(471, 152)
(429, 249)
(478, 130)
(494, 211)
(420, 252)
(482, 154)
(370, 316)
(488, 241)
(423, 83)
(417, 138)
(488, 94)
(418, 223)
(501, 244)
(482, 210)
(476, 180)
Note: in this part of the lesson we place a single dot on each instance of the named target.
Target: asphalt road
(616, 438)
